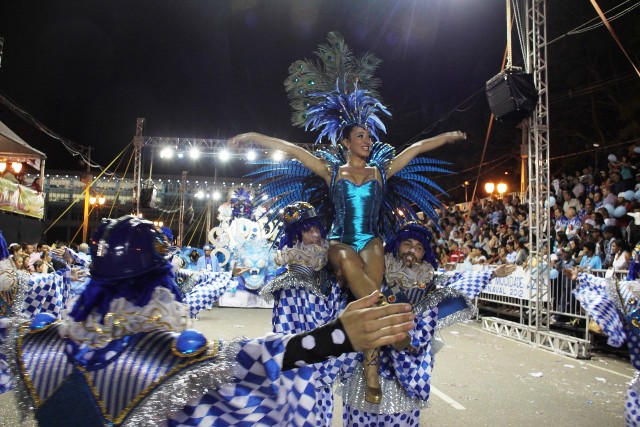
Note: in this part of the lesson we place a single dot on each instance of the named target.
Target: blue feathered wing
(407, 192)
(290, 181)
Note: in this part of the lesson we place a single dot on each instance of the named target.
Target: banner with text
(516, 285)
(20, 199)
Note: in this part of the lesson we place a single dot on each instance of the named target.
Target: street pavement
(479, 379)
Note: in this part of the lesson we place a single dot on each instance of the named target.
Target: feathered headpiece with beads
(336, 91)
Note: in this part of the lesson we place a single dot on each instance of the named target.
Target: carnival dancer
(358, 184)
(306, 295)
(124, 357)
(438, 301)
(615, 306)
(208, 261)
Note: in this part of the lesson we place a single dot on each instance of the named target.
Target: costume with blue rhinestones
(357, 208)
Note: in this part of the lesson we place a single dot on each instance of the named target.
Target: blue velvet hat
(128, 262)
(413, 230)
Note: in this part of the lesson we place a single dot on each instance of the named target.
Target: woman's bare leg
(363, 274)
(350, 264)
(373, 257)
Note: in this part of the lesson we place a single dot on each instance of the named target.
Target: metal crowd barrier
(565, 327)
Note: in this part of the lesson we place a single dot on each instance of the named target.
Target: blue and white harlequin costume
(306, 296)
(203, 288)
(124, 358)
(615, 307)
(405, 376)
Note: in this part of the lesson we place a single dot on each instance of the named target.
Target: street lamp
(489, 187)
(466, 196)
(502, 188)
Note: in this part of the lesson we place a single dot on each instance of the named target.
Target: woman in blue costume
(348, 114)
(356, 188)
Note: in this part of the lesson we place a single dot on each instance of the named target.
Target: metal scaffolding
(206, 147)
(537, 330)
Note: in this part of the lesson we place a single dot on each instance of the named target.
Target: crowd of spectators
(595, 221)
(42, 258)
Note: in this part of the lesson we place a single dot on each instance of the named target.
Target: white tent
(15, 149)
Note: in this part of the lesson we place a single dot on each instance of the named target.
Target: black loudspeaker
(148, 195)
(512, 95)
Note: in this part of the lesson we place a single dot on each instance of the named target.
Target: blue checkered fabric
(413, 369)
(79, 258)
(262, 394)
(48, 293)
(631, 331)
(470, 283)
(298, 310)
(207, 291)
(591, 293)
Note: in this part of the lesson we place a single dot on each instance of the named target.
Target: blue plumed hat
(296, 218)
(416, 231)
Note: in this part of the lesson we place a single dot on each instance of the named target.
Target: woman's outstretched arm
(316, 165)
(420, 147)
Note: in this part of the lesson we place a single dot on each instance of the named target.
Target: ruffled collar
(314, 256)
(125, 319)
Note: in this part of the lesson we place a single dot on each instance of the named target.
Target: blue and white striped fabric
(48, 293)
(262, 394)
(118, 380)
(207, 291)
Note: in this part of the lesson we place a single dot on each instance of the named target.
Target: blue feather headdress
(321, 96)
(337, 110)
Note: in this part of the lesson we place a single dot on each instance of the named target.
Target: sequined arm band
(316, 345)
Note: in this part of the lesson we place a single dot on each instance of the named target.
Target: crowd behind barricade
(43, 258)
(595, 221)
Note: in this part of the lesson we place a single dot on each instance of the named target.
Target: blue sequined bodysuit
(357, 208)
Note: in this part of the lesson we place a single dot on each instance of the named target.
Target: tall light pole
(87, 187)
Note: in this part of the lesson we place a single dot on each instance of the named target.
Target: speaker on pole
(512, 95)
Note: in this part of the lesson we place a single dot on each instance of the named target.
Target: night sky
(215, 68)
